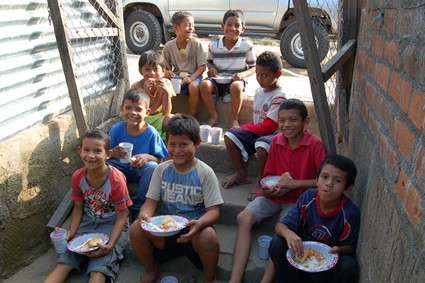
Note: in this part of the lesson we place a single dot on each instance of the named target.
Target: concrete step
(131, 269)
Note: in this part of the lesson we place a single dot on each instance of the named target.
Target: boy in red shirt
(294, 151)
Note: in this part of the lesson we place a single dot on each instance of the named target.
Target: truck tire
(142, 32)
(291, 48)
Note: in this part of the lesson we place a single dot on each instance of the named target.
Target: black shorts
(172, 250)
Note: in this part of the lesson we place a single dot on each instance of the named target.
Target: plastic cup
(59, 240)
(263, 246)
(216, 134)
(177, 84)
(205, 132)
(169, 279)
(128, 147)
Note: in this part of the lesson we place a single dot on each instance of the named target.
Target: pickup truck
(148, 22)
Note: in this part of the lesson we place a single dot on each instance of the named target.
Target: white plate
(165, 233)
(332, 259)
(223, 78)
(75, 244)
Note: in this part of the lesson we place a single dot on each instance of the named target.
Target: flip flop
(230, 181)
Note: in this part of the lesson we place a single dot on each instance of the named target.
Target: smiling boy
(148, 147)
(185, 57)
(229, 54)
(188, 187)
(324, 215)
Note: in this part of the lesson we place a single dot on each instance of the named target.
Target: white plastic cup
(59, 240)
(216, 134)
(169, 279)
(205, 132)
(177, 84)
(128, 147)
(263, 246)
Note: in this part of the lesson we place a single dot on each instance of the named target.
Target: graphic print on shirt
(97, 202)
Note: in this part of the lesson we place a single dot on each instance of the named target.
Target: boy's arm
(342, 250)
(212, 71)
(245, 74)
(268, 126)
(148, 209)
(208, 219)
(197, 73)
(292, 239)
(77, 213)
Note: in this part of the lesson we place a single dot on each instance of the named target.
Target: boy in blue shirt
(148, 146)
(324, 215)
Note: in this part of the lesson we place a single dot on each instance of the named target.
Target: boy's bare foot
(234, 180)
(212, 121)
(149, 277)
(234, 124)
(257, 188)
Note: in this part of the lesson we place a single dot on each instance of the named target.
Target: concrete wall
(387, 140)
(35, 173)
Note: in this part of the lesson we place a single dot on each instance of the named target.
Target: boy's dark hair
(99, 135)
(271, 60)
(294, 103)
(151, 58)
(179, 16)
(343, 163)
(183, 124)
(136, 95)
(234, 13)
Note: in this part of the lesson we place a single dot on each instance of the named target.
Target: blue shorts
(264, 208)
(247, 141)
(172, 249)
(185, 88)
(107, 264)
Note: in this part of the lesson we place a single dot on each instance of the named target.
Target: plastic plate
(332, 259)
(75, 244)
(156, 220)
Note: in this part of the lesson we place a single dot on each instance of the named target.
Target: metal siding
(32, 83)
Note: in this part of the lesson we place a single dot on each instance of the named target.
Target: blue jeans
(345, 271)
(141, 176)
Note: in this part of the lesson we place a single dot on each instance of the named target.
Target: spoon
(152, 225)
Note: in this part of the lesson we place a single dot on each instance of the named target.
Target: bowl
(223, 78)
(331, 259)
(157, 220)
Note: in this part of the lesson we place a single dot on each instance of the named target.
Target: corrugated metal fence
(32, 82)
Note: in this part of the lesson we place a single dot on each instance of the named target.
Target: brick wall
(387, 128)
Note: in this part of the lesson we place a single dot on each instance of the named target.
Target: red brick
(406, 90)
(401, 187)
(419, 169)
(361, 59)
(370, 66)
(394, 90)
(370, 94)
(413, 62)
(403, 137)
(391, 53)
(386, 113)
(382, 75)
(414, 206)
(377, 44)
(416, 110)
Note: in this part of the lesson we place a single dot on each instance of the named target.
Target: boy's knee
(208, 240)
(135, 231)
(246, 218)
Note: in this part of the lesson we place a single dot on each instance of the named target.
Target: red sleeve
(77, 193)
(267, 127)
(120, 195)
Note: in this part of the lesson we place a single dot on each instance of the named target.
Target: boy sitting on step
(256, 136)
(189, 188)
(324, 215)
(295, 155)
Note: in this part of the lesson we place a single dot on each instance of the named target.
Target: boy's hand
(169, 74)
(274, 191)
(140, 160)
(238, 77)
(103, 250)
(212, 72)
(193, 230)
(287, 182)
(294, 242)
(119, 152)
(187, 80)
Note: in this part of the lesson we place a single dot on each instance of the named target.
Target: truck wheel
(142, 32)
(292, 50)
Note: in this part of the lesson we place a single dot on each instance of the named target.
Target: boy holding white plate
(101, 200)
(324, 215)
(293, 150)
(187, 187)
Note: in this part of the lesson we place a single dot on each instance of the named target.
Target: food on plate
(312, 259)
(184, 74)
(168, 222)
(93, 242)
(285, 175)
